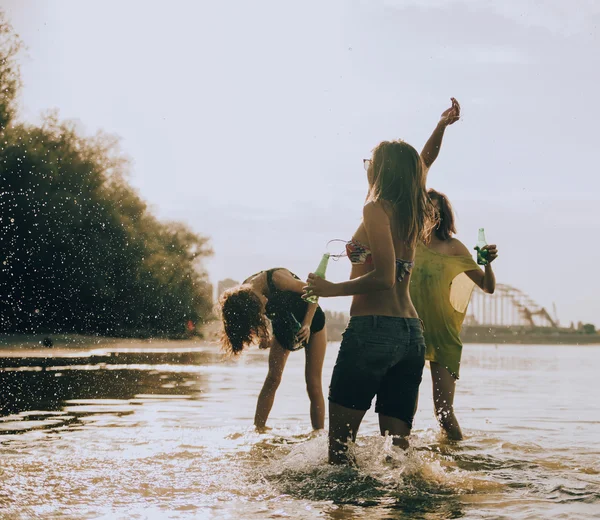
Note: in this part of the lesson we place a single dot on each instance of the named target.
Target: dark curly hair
(244, 319)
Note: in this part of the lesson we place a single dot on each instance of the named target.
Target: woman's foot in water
(449, 425)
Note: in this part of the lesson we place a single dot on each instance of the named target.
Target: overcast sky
(250, 120)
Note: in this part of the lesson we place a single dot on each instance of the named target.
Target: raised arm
(432, 147)
(383, 275)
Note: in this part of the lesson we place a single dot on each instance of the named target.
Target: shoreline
(69, 341)
(19, 352)
(522, 336)
(26, 352)
(28, 344)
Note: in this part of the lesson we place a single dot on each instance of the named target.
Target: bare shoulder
(375, 210)
(255, 279)
(286, 281)
(281, 275)
(457, 248)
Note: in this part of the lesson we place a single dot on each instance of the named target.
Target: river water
(176, 441)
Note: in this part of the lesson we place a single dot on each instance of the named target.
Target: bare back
(391, 302)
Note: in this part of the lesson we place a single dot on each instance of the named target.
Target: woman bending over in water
(275, 295)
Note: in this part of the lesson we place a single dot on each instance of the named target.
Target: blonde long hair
(396, 175)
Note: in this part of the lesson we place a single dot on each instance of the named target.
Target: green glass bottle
(482, 254)
(296, 327)
(319, 272)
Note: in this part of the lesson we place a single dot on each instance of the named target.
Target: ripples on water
(176, 442)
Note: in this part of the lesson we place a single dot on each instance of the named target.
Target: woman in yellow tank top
(443, 278)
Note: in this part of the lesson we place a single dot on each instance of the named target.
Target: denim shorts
(380, 356)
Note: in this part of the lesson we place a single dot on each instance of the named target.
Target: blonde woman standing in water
(383, 351)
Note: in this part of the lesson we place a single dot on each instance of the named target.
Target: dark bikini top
(279, 302)
(360, 254)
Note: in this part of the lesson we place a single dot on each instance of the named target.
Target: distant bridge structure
(507, 307)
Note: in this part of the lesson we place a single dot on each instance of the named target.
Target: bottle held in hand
(482, 254)
(319, 272)
(297, 326)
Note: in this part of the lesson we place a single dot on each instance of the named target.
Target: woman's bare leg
(313, 373)
(343, 427)
(277, 359)
(397, 428)
(444, 386)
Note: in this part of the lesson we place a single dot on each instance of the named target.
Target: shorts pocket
(380, 345)
(417, 350)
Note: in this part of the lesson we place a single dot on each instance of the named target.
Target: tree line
(80, 250)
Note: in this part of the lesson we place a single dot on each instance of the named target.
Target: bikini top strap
(343, 253)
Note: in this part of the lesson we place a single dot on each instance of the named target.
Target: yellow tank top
(441, 292)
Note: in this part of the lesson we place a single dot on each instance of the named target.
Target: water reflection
(177, 441)
(35, 399)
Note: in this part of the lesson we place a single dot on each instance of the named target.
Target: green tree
(588, 328)
(10, 78)
(81, 252)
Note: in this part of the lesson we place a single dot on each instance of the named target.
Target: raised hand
(303, 334)
(452, 114)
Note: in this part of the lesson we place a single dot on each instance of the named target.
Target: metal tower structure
(507, 307)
